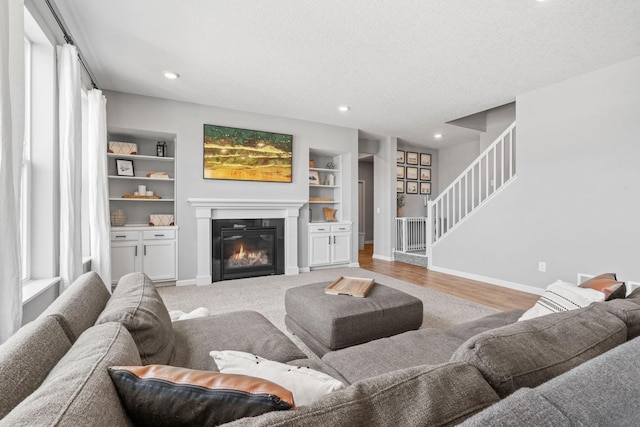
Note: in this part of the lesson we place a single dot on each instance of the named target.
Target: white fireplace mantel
(207, 209)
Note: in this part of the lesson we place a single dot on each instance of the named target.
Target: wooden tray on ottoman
(353, 286)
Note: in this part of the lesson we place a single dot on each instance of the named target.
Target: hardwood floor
(483, 293)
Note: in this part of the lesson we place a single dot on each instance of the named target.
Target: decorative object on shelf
(122, 147)
(332, 179)
(158, 175)
(312, 163)
(331, 165)
(139, 196)
(412, 187)
(246, 155)
(161, 149)
(320, 199)
(118, 217)
(425, 159)
(399, 156)
(412, 158)
(329, 214)
(314, 178)
(425, 188)
(160, 220)
(124, 167)
(142, 189)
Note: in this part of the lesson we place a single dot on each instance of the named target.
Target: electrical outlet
(542, 266)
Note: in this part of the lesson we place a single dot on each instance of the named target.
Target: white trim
(499, 282)
(32, 288)
(354, 264)
(187, 282)
(382, 257)
(631, 286)
(305, 269)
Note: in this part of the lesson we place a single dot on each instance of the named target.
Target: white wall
(575, 203)
(497, 120)
(187, 120)
(453, 160)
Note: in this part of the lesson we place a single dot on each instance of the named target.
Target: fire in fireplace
(247, 248)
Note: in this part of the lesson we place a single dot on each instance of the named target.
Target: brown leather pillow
(608, 284)
(160, 395)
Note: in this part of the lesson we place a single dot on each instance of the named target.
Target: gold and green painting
(246, 155)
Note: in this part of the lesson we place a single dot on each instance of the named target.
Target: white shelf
(140, 157)
(323, 186)
(141, 178)
(328, 202)
(133, 199)
(324, 170)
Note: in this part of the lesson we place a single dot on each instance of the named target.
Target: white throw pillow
(562, 296)
(307, 385)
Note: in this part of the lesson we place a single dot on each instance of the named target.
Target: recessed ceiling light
(171, 75)
(437, 136)
(344, 108)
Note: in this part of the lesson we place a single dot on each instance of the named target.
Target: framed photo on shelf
(425, 159)
(425, 188)
(412, 173)
(399, 186)
(412, 158)
(425, 174)
(400, 172)
(399, 156)
(314, 178)
(412, 187)
(124, 167)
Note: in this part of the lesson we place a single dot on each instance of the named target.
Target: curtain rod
(68, 39)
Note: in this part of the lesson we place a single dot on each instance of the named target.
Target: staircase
(492, 171)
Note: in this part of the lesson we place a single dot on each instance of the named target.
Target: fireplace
(247, 248)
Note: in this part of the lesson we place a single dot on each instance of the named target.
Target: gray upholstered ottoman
(331, 322)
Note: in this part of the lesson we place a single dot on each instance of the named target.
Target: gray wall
(453, 160)
(575, 203)
(187, 120)
(497, 120)
(365, 173)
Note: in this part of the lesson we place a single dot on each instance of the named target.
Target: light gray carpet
(266, 295)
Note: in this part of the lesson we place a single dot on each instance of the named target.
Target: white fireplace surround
(208, 209)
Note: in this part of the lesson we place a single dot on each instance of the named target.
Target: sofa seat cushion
(246, 331)
(600, 392)
(530, 352)
(26, 359)
(422, 347)
(137, 305)
(441, 395)
(78, 307)
(79, 391)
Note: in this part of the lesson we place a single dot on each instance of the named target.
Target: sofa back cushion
(441, 395)
(137, 305)
(79, 391)
(26, 359)
(528, 353)
(626, 310)
(78, 307)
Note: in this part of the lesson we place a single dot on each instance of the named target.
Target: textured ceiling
(405, 67)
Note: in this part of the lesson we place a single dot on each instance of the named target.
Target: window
(25, 205)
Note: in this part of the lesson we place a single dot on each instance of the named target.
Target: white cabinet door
(124, 259)
(341, 248)
(159, 259)
(319, 249)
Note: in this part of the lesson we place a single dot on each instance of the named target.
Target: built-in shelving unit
(327, 192)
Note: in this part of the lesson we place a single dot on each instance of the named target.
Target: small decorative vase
(118, 218)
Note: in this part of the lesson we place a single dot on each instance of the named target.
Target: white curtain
(98, 186)
(70, 139)
(11, 134)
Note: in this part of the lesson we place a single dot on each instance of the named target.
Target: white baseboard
(491, 280)
(188, 282)
(382, 257)
(292, 271)
(354, 264)
(304, 269)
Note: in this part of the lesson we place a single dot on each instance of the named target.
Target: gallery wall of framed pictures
(413, 172)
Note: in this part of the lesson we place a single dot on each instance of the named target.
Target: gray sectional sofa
(572, 368)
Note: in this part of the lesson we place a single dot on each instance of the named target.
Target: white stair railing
(489, 173)
(411, 234)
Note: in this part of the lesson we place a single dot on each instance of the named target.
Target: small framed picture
(425, 174)
(412, 173)
(124, 167)
(399, 156)
(399, 186)
(425, 159)
(425, 188)
(314, 178)
(399, 172)
(412, 158)
(412, 187)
